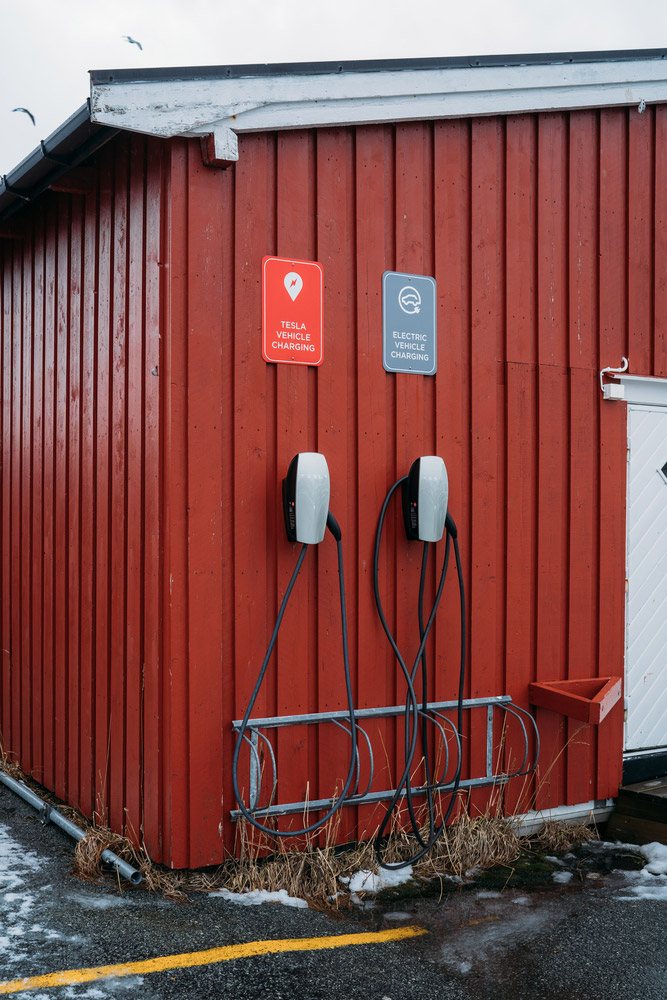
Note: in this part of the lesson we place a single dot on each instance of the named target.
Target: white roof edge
(650, 390)
(283, 101)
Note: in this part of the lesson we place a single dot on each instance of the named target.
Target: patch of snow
(398, 915)
(653, 892)
(367, 881)
(651, 882)
(656, 855)
(521, 900)
(257, 896)
(14, 862)
(488, 894)
(562, 876)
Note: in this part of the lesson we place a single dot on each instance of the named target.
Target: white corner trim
(637, 389)
(191, 107)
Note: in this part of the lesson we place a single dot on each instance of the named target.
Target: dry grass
(316, 870)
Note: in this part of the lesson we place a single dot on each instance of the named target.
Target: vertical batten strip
(25, 582)
(87, 584)
(153, 373)
(135, 658)
(37, 666)
(73, 538)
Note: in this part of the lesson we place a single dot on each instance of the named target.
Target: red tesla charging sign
(291, 311)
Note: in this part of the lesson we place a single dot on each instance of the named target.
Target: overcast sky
(48, 46)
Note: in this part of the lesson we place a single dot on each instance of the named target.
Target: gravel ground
(575, 927)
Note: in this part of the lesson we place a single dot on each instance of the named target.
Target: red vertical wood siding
(144, 441)
(82, 491)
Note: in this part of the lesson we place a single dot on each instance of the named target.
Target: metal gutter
(172, 73)
(67, 147)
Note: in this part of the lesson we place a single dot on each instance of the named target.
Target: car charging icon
(409, 300)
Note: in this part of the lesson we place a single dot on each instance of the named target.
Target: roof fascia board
(193, 107)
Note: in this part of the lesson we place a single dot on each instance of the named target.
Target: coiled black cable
(333, 527)
(412, 711)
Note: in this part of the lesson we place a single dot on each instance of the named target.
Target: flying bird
(26, 112)
(132, 41)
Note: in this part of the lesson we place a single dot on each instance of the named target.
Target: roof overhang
(224, 101)
(228, 101)
(55, 156)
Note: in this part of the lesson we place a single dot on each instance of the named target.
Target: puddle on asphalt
(474, 923)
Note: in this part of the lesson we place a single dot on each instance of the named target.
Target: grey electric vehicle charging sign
(408, 323)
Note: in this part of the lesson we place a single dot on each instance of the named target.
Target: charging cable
(333, 527)
(413, 714)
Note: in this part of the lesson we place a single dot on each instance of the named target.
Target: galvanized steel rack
(254, 736)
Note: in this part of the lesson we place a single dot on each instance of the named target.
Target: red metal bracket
(589, 699)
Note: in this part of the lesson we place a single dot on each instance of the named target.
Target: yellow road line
(189, 959)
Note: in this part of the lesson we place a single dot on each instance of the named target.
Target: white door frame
(638, 391)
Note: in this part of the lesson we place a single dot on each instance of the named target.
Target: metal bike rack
(435, 710)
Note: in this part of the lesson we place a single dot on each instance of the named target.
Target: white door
(646, 608)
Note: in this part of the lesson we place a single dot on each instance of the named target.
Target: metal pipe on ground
(50, 814)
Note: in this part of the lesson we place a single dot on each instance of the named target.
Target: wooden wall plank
(136, 526)
(26, 333)
(48, 571)
(641, 207)
(175, 818)
(102, 494)
(87, 583)
(377, 682)
(73, 729)
(336, 410)
(37, 666)
(486, 428)
(453, 236)
(255, 475)
(613, 298)
(16, 496)
(209, 350)
(5, 717)
(153, 774)
(522, 448)
(296, 427)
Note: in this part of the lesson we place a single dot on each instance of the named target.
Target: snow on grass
(257, 896)
(656, 855)
(367, 881)
(651, 882)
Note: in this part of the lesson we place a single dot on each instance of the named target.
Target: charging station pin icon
(293, 284)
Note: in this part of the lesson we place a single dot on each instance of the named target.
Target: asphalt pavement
(579, 928)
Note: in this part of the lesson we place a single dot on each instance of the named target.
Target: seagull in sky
(132, 41)
(26, 112)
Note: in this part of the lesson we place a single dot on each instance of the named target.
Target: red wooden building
(144, 437)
